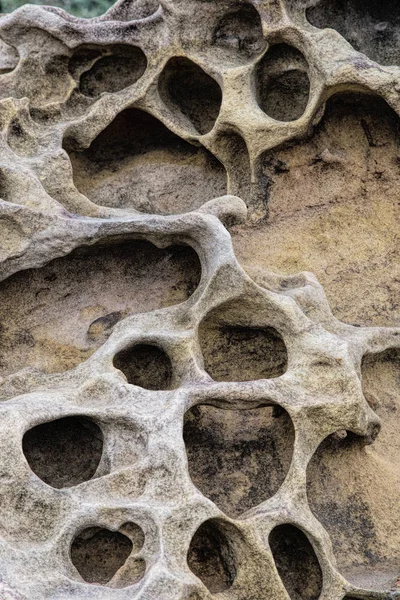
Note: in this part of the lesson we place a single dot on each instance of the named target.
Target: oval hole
(64, 452)
(145, 365)
(98, 553)
(123, 67)
(238, 458)
(184, 85)
(282, 83)
(239, 33)
(236, 352)
(211, 557)
(296, 562)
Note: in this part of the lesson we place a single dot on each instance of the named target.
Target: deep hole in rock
(238, 458)
(145, 365)
(282, 83)
(211, 557)
(239, 32)
(97, 553)
(115, 68)
(95, 286)
(296, 562)
(64, 452)
(370, 27)
(236, 352)
(183, 85)
(137, 163)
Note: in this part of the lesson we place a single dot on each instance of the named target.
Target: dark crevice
(184, 86)
(21, 141)
(211, 557)
(372, 28)
(64, 452)
(137, 163)
(282, 83)
(296, 562)
(146, 366)
(238, 458)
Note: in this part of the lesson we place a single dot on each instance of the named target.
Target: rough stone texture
(178, 423)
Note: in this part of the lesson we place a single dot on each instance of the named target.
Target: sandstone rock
(183, 416)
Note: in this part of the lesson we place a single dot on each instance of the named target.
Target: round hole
(64, 452)
(146, 366)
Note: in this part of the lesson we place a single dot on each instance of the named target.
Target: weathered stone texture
(183, 416)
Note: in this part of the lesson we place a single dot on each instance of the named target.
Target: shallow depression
(96, 287)
(234, 351)
(137, 163)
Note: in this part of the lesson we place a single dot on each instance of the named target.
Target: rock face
(183, 416)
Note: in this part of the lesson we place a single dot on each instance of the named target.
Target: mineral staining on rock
(182, 415)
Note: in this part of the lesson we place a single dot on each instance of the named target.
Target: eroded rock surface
(183, 416)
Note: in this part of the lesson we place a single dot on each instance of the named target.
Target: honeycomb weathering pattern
(191, 66)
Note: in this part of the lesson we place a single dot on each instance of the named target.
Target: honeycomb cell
(239, 33)
(110, 69)
(211, 557)
(185, 87)
(296, 562)
(147, 366)
(345, 212)
(99, 553)
(96, 286)
(235, 351)
(356, 501)
(238, 458)
(64, 452)
(282, 83)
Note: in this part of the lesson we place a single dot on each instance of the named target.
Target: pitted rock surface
(183, 416)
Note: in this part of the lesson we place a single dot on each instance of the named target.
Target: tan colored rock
(182, 415)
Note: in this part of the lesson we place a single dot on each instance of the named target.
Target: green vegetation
(79, 8)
